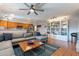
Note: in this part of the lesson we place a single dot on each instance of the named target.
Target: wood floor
(66, 48)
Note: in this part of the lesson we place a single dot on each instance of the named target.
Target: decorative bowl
(30, 42)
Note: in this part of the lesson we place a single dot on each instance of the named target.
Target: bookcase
(58, 28)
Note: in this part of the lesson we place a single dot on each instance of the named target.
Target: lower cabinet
(59, 37)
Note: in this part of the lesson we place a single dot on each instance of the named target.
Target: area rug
(45, 50)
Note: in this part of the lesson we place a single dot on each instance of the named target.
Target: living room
(39, 29)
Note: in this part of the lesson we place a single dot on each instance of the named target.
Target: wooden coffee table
(26, 47)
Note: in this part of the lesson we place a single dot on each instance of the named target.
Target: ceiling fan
(33, 8)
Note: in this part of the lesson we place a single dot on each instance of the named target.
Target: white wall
(74, 23)
(43, 28)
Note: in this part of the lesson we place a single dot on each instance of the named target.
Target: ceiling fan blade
(32, 6)
(39, 5)
(23, 9)
(35, 12)
(39, 10)
(36, 5)
(26, 4)
(28, 13)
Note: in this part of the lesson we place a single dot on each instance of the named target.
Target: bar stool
(74, 37)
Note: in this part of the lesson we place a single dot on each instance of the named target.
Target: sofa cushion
(21, 39)
(30, 38)
(18, 39)
(1, 37)
(37, 34)
(7, 52)
(18, 35)
(5, 44)
(41, 37)
(28, 35)
(7, 36)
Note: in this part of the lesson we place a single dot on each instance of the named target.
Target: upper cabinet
(9, 25)
(22, 25)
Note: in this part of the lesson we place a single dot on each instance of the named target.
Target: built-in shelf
(58, 28)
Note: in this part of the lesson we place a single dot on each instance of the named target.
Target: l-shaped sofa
(6, 43)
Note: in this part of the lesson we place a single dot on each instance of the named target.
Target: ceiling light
(12, 16)
(31, 10)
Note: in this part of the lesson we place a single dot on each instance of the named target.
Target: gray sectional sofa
(6, 46)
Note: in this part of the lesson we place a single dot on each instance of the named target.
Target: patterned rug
(45, 50)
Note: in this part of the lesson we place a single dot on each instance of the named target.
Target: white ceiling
(51, 10)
